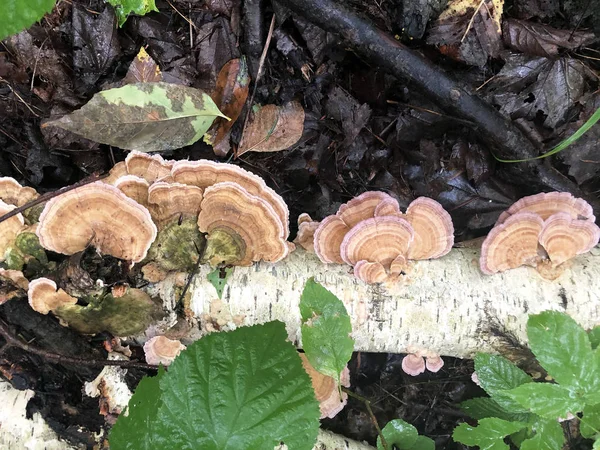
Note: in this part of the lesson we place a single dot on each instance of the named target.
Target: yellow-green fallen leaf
(143, 116)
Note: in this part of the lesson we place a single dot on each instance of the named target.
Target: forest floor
(537, 62)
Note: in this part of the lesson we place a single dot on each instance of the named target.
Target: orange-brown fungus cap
(326, 390)
(370, 272)
(100, 215)
(13, 193)
(306, 232)
(380, 239)
(44, 296)
(9, 228)
(388, 207)
(398, 265)
(228, 208)
(134, 187)
(434, 232)
(118, 170)
(547, 204)
(206, 173)
(564, 237)
(511, 244)
(362, 207)
(150, 167)
(162, 350)
(170, 201)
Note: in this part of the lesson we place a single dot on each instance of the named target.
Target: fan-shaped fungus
(162, 350)
(45, 296)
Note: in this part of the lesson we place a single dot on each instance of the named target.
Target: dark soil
(364, 130)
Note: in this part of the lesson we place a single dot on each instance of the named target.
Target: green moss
(224, 246)
(176, 246)
(121, 316)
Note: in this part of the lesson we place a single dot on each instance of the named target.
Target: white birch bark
(445, 305)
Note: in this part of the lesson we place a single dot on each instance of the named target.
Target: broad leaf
(404, 436)
(244, 389)
(549, 435)
(546, 399)
(218, 278)
(590, 423)
(488, 435)
(326, 330)
(482, 407)
(143, 116)
(125, 7)
(20, 14)
(272, 128)
(497, 374)
(562, 347)
(134, 431)
(594, 337)
(143, 69)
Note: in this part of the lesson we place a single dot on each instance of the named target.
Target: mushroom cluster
(548, 228)
(243, 220)
(371, 234)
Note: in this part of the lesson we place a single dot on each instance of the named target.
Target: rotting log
(445, 305)
(19, 433)
(452, 96)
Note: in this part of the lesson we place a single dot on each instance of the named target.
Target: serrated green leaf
(18, 15)
(547, 400)
(482, 407)
(134, 431)
(594, 337)
(123, 8)
(404, 436)
(590, 423)
(562, 347)
(244, 389)
(325, 329)
(497, 374)
(489, 434)
(218, 278)
(549, 435)
(143, 116)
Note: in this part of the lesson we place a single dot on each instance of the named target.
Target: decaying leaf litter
(537, 62)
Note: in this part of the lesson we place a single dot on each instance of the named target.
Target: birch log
(445, 305)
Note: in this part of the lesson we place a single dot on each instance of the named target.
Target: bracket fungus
(162, 350)
(98, 214)
(306, 232)
(13, 193)
(371, 234)
(45, 296)
(544, 228)
(417, 360)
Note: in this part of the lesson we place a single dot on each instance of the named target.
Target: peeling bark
(446, 305)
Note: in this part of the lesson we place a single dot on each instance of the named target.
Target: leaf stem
(367, 403)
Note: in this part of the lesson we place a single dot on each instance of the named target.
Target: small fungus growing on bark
(417, 360)
(13, 193)
(549, 203)
(45, 296)
(149, 167)
(97, 214)
(162, 350)
(306, 232)
(173, 201)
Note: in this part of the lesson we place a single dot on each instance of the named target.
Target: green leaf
(218, 278)
(496, 375)
(596, 445)
(562, 347)
(488, 435)
(549, 435)
(125, 7)
(594, 337)
(244, 389)
(134, 431)
(404, 436)
(590, 423)
(482, 407)
(546, 399)
(143, 116)
(20, 14)
(325, 330)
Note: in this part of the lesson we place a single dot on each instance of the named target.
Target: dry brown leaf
(272, 128)
(229, 95)
(143, 69)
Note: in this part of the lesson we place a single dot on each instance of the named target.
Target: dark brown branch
(384, 51)
(13, 341)
(49, 195)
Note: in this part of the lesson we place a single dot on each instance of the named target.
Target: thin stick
(13, 341)
(367, 403)
(261, 63)
(49, 195)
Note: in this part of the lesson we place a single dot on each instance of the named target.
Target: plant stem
(367, 403)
